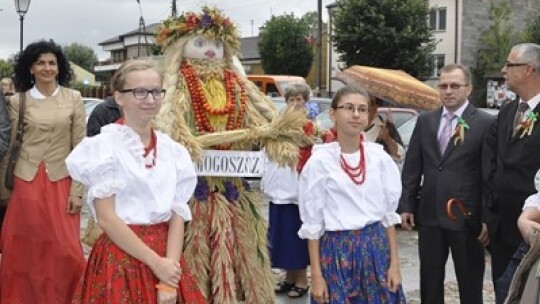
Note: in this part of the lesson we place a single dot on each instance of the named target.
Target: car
(323, 103)
(406, 129)
(274, 85)
(397, 115)
(89, 105)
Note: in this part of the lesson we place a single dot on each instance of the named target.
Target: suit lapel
(510, 126)
(468, 116)
(434, 123)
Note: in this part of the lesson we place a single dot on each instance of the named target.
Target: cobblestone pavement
(408, 252)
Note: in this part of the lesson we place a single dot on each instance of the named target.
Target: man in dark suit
(515, 161)
(445, 158)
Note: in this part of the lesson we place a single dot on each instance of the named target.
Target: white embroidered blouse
(279, 184)
(112, 163)
(330, 201)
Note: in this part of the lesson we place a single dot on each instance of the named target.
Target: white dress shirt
(458, 113)
(330, 201)
(112, 164)
(533, 102)
(279, 184)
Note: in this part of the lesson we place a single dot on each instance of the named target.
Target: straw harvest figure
(211, 105)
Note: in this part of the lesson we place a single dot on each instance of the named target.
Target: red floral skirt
(42, 257)
(113, 276)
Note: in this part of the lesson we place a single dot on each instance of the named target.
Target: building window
(438, 63)
(437, 19)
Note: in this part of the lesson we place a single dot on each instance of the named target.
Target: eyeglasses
(142, 93)
(453, 86)
(352, 108)
(514, 64)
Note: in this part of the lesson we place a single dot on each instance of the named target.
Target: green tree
(532, 32)
(385, 33)
(6, 68)
(81, 55)
(283, 46)
(311, 19)
(496, 43)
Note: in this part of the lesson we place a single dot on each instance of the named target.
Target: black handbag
(17, 143)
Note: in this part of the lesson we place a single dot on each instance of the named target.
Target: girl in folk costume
(349, 191)
(211, 104)
(139, 183)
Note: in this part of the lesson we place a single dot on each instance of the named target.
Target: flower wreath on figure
(211, 23)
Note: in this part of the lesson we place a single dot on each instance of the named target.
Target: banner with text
(231, 163)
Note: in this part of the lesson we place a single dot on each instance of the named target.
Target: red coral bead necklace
(356, 173)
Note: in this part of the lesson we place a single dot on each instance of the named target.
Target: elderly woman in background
(280, 185)
(7, 86)
(42, 257)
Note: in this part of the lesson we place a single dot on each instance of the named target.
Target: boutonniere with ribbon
(459, 131)
(527, 125)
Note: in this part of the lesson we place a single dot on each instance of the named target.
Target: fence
(93, 91)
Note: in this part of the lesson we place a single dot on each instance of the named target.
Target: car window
(406, 130)
(89, 105)
(271, 90)
(397, 116)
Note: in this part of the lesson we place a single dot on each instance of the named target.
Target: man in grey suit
(445, 158)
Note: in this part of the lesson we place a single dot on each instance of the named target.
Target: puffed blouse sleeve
(92, 163)
(311, 200)
(534, 199)
(391, 182)
(186, 180)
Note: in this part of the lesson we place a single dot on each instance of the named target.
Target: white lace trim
(391, 219)
(106, 188)
(182, 210)
(132, 142)
(311, 231)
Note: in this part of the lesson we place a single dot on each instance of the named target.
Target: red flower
(192, 21)
(309, 128)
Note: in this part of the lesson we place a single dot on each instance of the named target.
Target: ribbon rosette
(459, 131)
(528, 124)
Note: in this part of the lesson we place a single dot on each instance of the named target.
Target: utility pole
(319, 45)
(173, 11)
(142, 30)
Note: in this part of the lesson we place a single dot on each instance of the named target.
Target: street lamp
(21, 6)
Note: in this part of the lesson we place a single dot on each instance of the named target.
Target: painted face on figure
(351, 114)
(296, 101)
(454, 89)
(135, 105)
(45, 69)
(199, 47)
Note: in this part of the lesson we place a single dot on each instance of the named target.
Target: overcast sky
(92, 21)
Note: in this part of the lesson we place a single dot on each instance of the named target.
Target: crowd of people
(333, 211)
